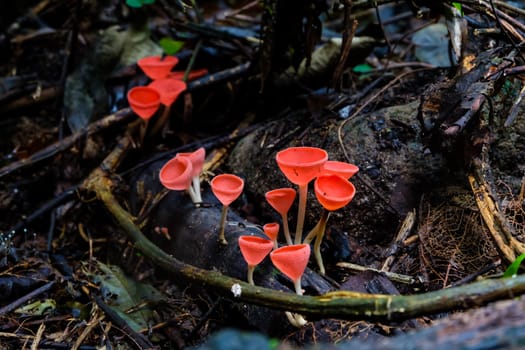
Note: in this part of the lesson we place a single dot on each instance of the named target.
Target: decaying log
(499, 325)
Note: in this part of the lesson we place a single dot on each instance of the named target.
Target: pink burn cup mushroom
(176, 174)
(254, 249)
(301, 165)
(157, 67)
(291, 261)
(169, 90)
(271, 230)
(144, 101)
(281, 199)
(343, 169)
(227, 188)
(333, 192)
(197, 161)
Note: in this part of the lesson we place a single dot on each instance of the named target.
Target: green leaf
(171, 46)
(138, 3)
(457, 5)
(134, 3)
(513, 268)
(123, 293)
(38, 308)
(363, 68)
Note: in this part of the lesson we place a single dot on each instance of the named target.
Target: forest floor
(426, 102)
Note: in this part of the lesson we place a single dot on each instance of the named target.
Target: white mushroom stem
(194, 196)
(251, 268)
(318, 232)
(196, 185)
(296, 320)
(303, 195)
(286, 229)
(224, 213)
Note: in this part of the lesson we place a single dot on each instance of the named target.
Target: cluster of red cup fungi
(300, 165)
(165, 86)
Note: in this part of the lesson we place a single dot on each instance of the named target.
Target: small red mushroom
(197, 161)
(271, 230)
(227, 188)
(176, 174)
(144, 101)
(157, 67)
(169, 90)
(333, 192)
(343, 169)
(254, 249)
(281, 199)
(291, 260)
(301, 165)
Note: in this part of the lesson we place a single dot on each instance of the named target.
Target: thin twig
(10, 307)
(47, 152)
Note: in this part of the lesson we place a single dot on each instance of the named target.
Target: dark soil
(71, 275)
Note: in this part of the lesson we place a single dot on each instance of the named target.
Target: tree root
(500, 230)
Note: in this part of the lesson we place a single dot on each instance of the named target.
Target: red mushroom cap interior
(281, 199)
(342, 169)
(169, 89)
(271, 230)
(254, 249)
(227, 188)
(333, 191)
(156, 67)
(176, 174)
(197, 159)
(291, 260)
(144, 101)
(301, 165)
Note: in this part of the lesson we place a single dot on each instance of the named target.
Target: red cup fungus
(333, 192)
(169, 89)
(254, 249)
(291, 260)
(144, 101)
(176, 174)
(227, 188)
(197, 161)
(342, 169)
(157, 67)
(281, 199)
(271, 230)
(300, 165)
